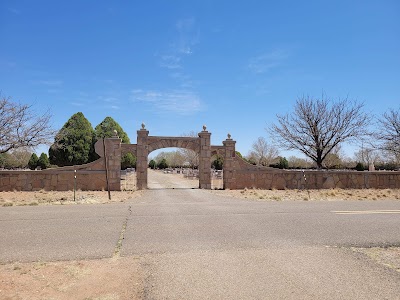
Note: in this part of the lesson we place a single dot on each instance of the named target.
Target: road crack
(118, 246)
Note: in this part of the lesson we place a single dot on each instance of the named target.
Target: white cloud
(182, 44)
(188, 36)
(77, 104)
(53, 91)
(265, 62)
(53, 83)
(184, 25)
(107, 99)
(181, 102)
(170, 62)
(185, 81)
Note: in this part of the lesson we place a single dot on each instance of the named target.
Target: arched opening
(147, 144)
(173, 168)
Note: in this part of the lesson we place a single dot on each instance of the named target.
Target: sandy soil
(105, 279)
(64, 198)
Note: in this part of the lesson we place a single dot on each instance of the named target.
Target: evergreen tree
(33, 161)
(360, 167)
(106, 130)
(128, 161)
(283, 163)
(43, 161)
(74, 143)
(218, 162)
(162, 164)
(152, 164)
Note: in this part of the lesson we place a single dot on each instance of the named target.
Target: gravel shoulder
(386, 256)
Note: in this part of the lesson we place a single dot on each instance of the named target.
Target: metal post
(106, 166)
(305, 180)
(74, 184)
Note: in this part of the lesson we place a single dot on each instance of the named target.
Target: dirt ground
(120, 278)
(104, 279)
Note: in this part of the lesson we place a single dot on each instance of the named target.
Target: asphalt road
(193, 244)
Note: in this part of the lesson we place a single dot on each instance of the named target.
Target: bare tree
(389, 132)
(263, 153)
(367, 156)
(317, 126)
(334, 159)
(173, 158)
(16, 158)
(191, 157)
(20, 127)
(299, 163)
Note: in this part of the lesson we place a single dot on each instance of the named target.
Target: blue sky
(176, 65)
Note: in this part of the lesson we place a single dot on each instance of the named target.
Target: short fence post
(305, 180)
(74, 184)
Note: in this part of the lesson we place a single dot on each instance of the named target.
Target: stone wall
(52, 180)
(243, 175)
(92, 176)
(238, 174)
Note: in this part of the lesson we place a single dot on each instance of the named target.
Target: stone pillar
(113, 154)
(229, 159)
(205, 159)
(142, 152)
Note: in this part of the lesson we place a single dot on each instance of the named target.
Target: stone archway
(146, 144)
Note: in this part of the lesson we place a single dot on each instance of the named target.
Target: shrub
(43, 161)
(128, 161)
(360, 167)
(33, 161)
(162, 164)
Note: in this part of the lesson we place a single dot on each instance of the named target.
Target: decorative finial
(204, 128)
(229, 136)
(115, 133)
(143, 126)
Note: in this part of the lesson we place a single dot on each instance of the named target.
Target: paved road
(31, 233)
(195, 245)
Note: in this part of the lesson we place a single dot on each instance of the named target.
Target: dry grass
(42, 197)
(312, 195)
